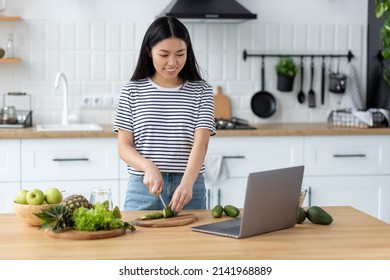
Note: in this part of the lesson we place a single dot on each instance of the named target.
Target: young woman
(164, 120)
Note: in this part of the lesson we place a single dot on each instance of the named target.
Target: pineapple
(75, 201)
(56, 218)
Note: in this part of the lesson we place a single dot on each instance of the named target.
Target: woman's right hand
(153, 179)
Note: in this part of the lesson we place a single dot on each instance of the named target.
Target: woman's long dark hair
(161, 29)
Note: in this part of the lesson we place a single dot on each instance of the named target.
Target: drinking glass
(2, 7)
(302, 197)
(101, 194)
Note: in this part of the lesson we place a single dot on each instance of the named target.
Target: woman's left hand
(180, 198)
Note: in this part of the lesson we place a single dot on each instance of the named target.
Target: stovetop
(233, 123)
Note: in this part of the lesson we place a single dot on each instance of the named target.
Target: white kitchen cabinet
(122, 192)
(9, 173)
(74, 165)
(9, 160)
(69, 159)
(347, 155)
(370, 194)
(123, 180)
(349, 170)
(7, 196)
(243, 155)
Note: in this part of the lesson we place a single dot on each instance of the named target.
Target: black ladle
(301, 94)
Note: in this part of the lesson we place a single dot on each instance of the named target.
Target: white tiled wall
(98, 51)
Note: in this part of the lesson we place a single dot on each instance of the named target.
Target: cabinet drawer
(69, 159)
(9, 160)
(347, 155)
(243, 155)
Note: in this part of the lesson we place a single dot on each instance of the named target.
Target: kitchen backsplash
(98, 53)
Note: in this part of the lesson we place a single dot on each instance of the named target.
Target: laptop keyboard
(231, 227)
(231, 230)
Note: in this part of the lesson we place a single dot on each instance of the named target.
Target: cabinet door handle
(231, 157)
(70, 159)
(348, 155)
(219, 196)
(309, 196)
(208, 198)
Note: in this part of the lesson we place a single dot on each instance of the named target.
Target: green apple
(53, 196)
(21, 197)
(35, 197)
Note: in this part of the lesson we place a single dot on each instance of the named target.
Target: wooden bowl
(25, 212)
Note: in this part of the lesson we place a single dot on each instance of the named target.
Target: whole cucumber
(217, 211)
(231, 211)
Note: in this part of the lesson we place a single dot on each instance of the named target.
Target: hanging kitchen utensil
(263, 103)
(222, 108)
(323, 81)
(311, 94)
(301, 94)
(337, 80)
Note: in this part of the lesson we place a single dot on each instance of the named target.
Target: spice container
(9, 52)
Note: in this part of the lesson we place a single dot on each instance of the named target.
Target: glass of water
(101, 194)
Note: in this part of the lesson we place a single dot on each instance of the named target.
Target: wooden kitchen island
(353, 235)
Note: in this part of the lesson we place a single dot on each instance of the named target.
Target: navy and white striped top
(164, 120)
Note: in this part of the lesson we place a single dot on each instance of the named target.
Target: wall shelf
(10, 60)
(10, 18)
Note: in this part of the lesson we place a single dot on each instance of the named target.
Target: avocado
(301, 215)
(317, 215)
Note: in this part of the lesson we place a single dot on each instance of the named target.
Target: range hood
(208, 11)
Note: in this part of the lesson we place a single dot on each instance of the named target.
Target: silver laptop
(271, 203)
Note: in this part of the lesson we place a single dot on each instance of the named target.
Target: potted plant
(382, 10)
(286, 70)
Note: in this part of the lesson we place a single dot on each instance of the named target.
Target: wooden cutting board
(179, 220)
(222, 108)
(86, 235)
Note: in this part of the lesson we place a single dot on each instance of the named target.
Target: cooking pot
(263, 103)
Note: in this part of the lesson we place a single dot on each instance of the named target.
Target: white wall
(96, 43)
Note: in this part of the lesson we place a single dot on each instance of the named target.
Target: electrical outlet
(97, 101)
(87, 101)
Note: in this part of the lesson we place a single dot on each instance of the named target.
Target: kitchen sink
(69, 127)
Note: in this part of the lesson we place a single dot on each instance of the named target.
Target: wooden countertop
(31, 132)
(353, 235)
(293, 129)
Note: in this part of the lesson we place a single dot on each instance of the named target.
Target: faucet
(65, 95)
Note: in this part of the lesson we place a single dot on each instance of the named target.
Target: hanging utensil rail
(349, 55)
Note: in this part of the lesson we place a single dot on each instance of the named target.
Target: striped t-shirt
(164, 120)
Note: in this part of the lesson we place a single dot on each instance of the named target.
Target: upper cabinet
(13, 59)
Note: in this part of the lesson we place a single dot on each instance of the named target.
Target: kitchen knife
(162, 200)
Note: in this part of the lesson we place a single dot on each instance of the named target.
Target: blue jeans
(139, 198)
